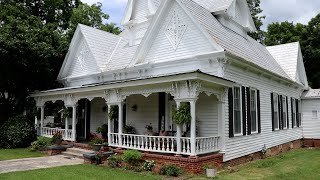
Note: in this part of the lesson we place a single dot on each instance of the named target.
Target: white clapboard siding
(193, 42)
(83, 62)
(140, 11)
(147, 112)
(244, 145)
(311, 124)
(98, 116)
(207, 116)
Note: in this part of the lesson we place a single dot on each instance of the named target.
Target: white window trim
(295, 112)
(285, 106)
(241, 116)
(277, 108)
(299, 112)
(257, 126)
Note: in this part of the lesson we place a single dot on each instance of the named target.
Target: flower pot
(58, 142)
(98, 161)
(211, 173)
(96, 147)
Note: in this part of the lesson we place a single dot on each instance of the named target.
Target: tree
(254, 7)
(284, 32)
(34, 38)
(310, 43)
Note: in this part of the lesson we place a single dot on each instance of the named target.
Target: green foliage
(96, 140)
(57, 138)
(41, 144)
(149, 165)
(34, 39)
(132, 157)
(210, 166)
(129, 130)
(254, 7)
(102, 129)
(170, 170)
(17, 132)
(182, 114)
(114, 161)
(113, 112)
(66, 113)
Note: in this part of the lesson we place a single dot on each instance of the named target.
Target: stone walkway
(37, 163)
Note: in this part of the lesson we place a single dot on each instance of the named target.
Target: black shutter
(297, 113)
(248, 111)
(287, 112)
(292, 120)
(230, 99)
(259, 111)
(279, 111)
(244, 119)
(272, 112)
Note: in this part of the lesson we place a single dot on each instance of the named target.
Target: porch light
(134, 108)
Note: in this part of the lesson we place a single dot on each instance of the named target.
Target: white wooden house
(243, 96)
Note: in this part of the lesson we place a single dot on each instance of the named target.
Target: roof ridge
(297, 42)
(95, 29)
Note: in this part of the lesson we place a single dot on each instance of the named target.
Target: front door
(83, 124)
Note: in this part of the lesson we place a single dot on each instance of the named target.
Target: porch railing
(164, 144)
(49, 132)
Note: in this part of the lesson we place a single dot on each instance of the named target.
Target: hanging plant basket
(182, 114)
(113, 113)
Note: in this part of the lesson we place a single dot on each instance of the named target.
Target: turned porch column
(222, 124)
(66, 127)
(109, 125)
(74, 118)
(120, 123)
(179, 133)
(193, 126)
(42, 118)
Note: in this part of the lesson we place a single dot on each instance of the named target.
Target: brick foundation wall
(311, 143)
(192, 164)
(270, 152)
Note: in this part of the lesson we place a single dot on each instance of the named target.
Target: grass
(9, 154)
(78, 172)
(298, 164)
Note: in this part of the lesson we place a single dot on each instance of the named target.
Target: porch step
(76, 152)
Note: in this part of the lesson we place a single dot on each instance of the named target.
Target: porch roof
(164, 78)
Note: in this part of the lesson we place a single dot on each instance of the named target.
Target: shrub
(56, 137)
(41, 144)
(96, 140)
(17, 132)
(170, 170)
(149, 165)
(114, 161)
(132, 157)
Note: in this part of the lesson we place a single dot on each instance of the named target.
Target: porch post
(120, 123)
(42, 118)
(109, 126)
(66, 127)
(179, 133)
(74, 114)
(193, 126)
(222, 124)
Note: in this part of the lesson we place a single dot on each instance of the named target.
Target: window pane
(253, 121)
(285, 119)
(237, 122)
(275, 121)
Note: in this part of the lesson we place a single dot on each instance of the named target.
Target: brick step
(72, 155)
(79, 151)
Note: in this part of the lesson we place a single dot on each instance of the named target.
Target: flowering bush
(149, 165)
(57, 138)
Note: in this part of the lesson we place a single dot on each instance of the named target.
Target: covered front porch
(148, 103)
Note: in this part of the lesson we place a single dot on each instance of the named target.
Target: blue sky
(275, 10)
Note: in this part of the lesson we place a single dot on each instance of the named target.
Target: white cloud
(289, 10)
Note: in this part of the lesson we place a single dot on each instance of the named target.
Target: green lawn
(78, 172)
(8, 154)
(298, 164)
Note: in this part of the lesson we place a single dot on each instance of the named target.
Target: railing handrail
(207, 137)
(149, 136)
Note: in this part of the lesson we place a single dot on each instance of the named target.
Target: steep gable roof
(100, 45)
(245, 48)
(289, 57)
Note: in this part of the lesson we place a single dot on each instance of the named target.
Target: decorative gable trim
(153, 30)
(175, 30)
(128, 13)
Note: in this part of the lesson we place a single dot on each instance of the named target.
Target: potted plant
(103, 130)
(96, 143)
(182, 114)
(57, 138)
(149, 129)
(98, 158)
(113, 113)
(129, 130)
(211, 170)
